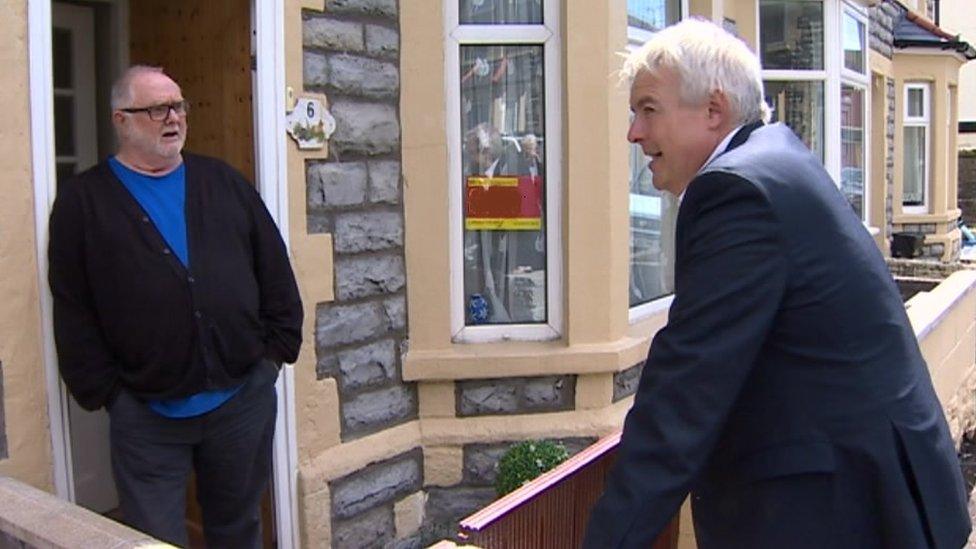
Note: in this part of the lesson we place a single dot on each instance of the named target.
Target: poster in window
(503, 203)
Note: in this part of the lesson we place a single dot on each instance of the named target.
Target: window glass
(652, 15)
(61, 53)
(503, 133)
(916, 102)
(913, 193)
(853, 33)
(653, 214)
(852, 146)
(800, 105)
(500, 12)
(791, 34)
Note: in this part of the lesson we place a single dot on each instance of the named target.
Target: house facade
(473, 271)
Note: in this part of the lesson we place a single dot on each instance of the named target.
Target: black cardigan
(127, 313)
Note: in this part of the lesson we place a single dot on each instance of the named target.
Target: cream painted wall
(958, 17)
(25, 399)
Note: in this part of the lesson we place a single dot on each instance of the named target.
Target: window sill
(538, 358)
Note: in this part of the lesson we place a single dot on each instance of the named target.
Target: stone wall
(515, 395)
(625, 382)
(882, 24)
(916, 268)
(967, 187)
(890, 158)
(351, 54)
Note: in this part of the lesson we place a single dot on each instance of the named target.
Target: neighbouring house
(446, 314)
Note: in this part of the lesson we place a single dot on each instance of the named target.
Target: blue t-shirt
(164, 200)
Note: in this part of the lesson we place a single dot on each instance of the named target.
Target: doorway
(206, 46)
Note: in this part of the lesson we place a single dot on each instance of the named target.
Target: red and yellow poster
(505, 203)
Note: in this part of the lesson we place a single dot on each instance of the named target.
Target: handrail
(552, 510)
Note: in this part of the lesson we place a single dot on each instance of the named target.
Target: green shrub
(525, 461)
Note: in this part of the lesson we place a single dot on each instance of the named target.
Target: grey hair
(706, 58)
(122, 87)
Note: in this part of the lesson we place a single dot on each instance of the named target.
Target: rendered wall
(25, 444)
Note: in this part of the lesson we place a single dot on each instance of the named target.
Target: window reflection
(799, 105)
(852, 146)
(500, 12)
(503, 152)
(791, 34)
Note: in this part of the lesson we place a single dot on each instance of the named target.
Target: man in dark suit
(787, 392)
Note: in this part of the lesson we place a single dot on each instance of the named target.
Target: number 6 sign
(310, 124)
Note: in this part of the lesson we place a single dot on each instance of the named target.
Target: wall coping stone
(41, 520)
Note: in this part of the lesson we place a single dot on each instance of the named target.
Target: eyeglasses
(158, 113)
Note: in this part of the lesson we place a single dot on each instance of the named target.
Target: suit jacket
(787, 392)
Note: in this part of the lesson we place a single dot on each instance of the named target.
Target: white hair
(122, 87)
(706, 59)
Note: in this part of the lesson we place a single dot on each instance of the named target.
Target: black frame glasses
(158, 113)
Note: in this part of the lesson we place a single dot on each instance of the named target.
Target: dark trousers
(229, 448)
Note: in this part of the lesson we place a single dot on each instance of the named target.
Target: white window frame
(861, 81)
(546, 35)
(635, 38)
(832, 76)
(924, 121)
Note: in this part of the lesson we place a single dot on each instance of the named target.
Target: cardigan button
(190, 279)
(165, 251)
(198, 314)
(145, 219)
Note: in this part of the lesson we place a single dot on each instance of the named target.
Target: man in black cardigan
(787, 392)
(174, 307)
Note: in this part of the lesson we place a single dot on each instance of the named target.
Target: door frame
(271, 174)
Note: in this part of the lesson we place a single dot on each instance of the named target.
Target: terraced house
(482, 256)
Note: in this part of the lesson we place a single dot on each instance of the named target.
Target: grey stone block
(382, 41)
(315, 69)
(625, 382)
(481, 462)
(386, 8)
(453, 504)
(336, 184)
(365, 128)
(367, 232)
(411, 542)
(370, 411)
(396, 312)
(367, 366)
(377, 484)
(384, 181)
(318, 222)
(549, 393)
(363, 276)
(354, 75)
(327, 365)
(331, 34)
(373, 528)
(344, 324)
(487, 397)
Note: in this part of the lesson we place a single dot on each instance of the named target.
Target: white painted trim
(794, 75)
(42, 165)
(271, 174)
(924, 121)
(501, 34)
(651, 308)
(547, 36)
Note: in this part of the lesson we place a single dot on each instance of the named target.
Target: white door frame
(272, 179)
